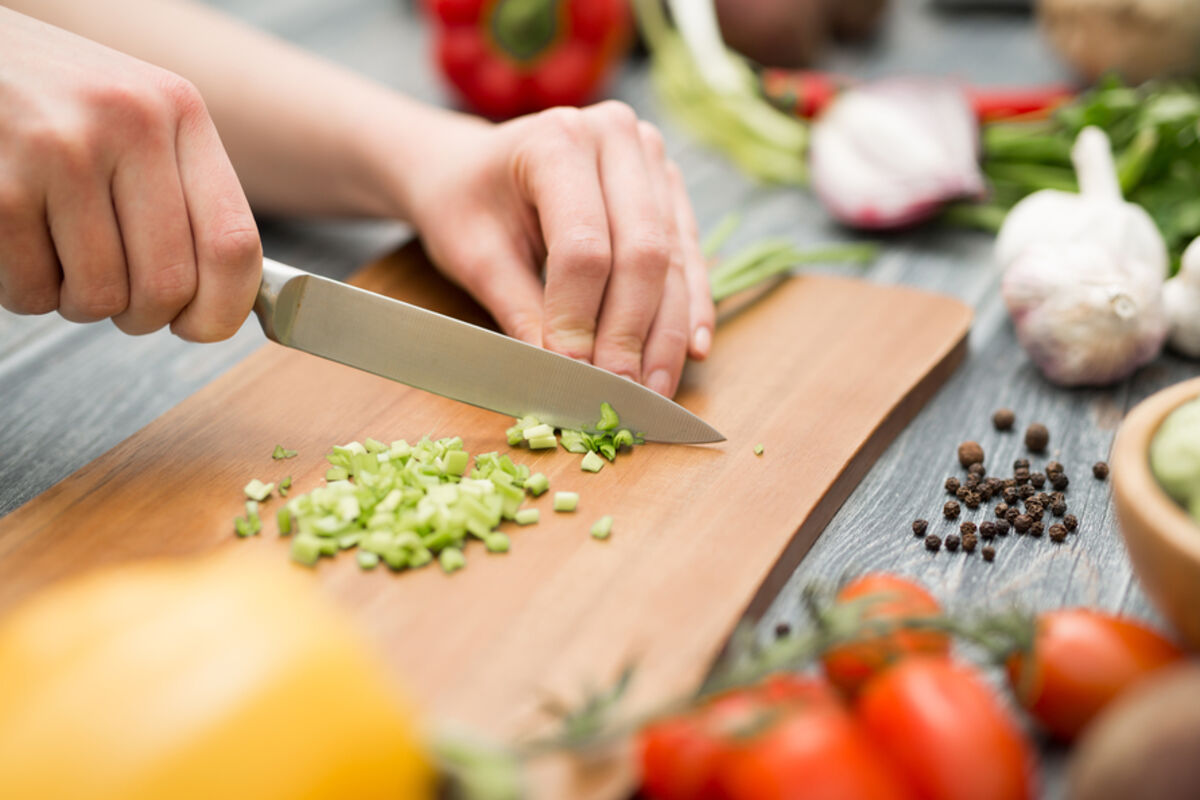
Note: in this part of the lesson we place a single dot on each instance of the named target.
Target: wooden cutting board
(823, 371)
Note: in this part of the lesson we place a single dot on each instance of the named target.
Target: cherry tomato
(851, 665)
(945, 731)
(679, 755)
(1082, 659)
(813, 750)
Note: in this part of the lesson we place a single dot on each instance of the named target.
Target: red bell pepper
(510, 57)
(806, 94)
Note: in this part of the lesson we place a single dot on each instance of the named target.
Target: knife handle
(274, 277)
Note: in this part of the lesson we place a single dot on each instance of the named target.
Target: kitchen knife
(445, 356)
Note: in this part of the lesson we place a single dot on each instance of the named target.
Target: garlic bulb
(1083, 275)
(892, 152)
(1181, 295)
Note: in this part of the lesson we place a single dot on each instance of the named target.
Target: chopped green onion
(284, 486)
(367, 559)
(336, 474)
(452, 559)
(591, 463)
(623, 438)
(602, 528)
(608, 418)
(537, 431)
(566, 501)
(283, 518)
(244, 526)
(257, 490)
(758, 449)
(456, 462)
(543, 442)
(527, 516)
(282, 452)
(537, 483)
(306, 549)
(496, 543)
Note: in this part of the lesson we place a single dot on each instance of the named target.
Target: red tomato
(811, 751)
(1082, 659)
(946, 732)
(790, 737)
(851, 665)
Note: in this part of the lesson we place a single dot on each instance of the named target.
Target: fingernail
(660, 381)
(702, 341)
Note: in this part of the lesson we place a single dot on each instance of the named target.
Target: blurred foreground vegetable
(510, 57)
(221, 678)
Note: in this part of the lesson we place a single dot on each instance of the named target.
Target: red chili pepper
(510, 57)
(807, 93)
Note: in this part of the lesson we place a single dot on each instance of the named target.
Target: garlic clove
(891, 153)
(1181, 296)
(1080, 315)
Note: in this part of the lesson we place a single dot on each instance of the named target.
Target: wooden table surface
(70, 392)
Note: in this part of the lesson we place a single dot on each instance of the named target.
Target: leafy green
(1155, 133)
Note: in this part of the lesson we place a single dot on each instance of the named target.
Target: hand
(116, 196)
(589, 193)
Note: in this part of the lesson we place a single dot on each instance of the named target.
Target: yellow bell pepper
(221, 678)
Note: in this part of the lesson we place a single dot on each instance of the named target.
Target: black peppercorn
(989, 554)
(962, 492)
(977, 469)
(1003, 419)
(1026, 492)
(1022, 523)
(985, 493)
(973, 500)
(1001, 510)
(1037, 529)
(1058, 508)
(1070, 522)
(967, 527)
(1032, 507)
(919, 527)
(1100, 470)
(1009, 483)
(1021, 463)
(951, 509)
(1060, 481)
(1058, 532)
(952, 484)
(782, 629)
(1011, 515)
(970, 453)
(952, 542)
(1053, 467)
(973, 480)
(969, 540)
(1038, 479)
(1021, 476)
(933, 543)
(1002, 527)
(1012, 495)
(1037, 437)
(1044, 499)
(987, 530)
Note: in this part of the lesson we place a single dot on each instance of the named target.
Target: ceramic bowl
(1163, 541)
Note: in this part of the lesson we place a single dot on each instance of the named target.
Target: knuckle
(205, 330)
(170, 287)
(652, 140)
(181, 95)
(233, 247)
(583, 254)
(101, 299)
(650, 252)
(672, 339)
(617, 115)
(565, 122)
(39, 299)
(137, 107)
(621, 345)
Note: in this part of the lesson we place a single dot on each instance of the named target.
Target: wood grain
(823, 371)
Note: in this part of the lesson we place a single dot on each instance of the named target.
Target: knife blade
(455, 359)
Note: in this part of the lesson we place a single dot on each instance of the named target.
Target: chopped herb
(537, 484)
(284, 486)
(527, 516)
(282, 452)
(566, 501)
(452, 559)
(591, 463)
(602, 528)
(257, 490)
(608, 418)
